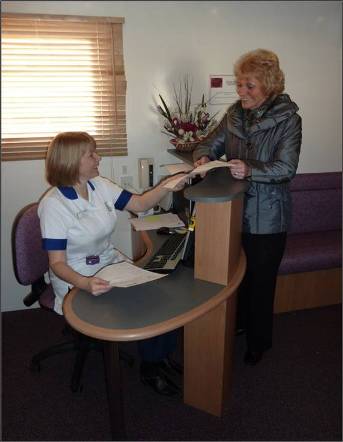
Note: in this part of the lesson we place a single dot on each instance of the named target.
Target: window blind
(61, 73)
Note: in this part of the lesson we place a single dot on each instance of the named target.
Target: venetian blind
(61, 73)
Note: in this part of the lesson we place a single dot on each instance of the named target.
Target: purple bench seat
(306, 252)
(315, 239)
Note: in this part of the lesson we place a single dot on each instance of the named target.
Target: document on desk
(152, 222)
(124, 274)
(197, 171)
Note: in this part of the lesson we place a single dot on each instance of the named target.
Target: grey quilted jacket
(268, 139)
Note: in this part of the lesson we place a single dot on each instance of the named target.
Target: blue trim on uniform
(69, 192)
(54, 244)
(123, 199)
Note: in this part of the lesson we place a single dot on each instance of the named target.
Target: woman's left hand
(239, 169)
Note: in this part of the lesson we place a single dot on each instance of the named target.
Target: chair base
(51, 351)
(82, 345)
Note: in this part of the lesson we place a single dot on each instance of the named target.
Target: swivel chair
(30, 262)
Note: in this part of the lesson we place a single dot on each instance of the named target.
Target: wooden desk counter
(202, 300)
(150, 309)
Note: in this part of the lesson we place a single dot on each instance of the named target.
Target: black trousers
(257, 290)
(159, 347)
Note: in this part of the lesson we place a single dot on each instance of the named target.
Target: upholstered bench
(310, 271)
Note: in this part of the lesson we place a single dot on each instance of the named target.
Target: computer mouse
(163, 231)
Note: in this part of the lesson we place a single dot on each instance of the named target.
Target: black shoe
(240, 331)
(152, 375)
(253, 357)
(170, 366)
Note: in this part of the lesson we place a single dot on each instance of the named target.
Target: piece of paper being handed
(197, 171)
(124, 274)
(177, 168)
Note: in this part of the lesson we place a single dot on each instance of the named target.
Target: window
(61, 73)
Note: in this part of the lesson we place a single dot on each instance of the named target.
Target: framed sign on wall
(222, 89)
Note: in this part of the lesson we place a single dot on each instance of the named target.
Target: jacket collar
(271, 113)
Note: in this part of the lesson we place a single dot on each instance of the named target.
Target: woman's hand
(201, 161)
(95, 285)
(183, 177)
(239, 169)
(92, 284)
(150, 198)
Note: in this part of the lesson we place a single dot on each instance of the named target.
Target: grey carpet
(294, 393)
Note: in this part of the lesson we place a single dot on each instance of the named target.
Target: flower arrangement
(187, 126)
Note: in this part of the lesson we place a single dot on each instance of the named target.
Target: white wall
(163, 40)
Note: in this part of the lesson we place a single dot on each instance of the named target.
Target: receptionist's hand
(96, 286)
(183, 177)
(201, 161)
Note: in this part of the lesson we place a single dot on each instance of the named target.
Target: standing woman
(260, 135)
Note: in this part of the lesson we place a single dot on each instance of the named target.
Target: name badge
(93, 259)
(109, 206)
(81, 214)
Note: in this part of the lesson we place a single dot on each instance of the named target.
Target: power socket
(126, 181)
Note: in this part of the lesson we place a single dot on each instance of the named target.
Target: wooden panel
(139, 245)
(73, 18)
(298, 291)
(217, 240)
(235, 236)
(208, 345)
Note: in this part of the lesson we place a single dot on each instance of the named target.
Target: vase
(184, 147)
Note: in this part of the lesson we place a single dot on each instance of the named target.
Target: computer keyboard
(168, 255)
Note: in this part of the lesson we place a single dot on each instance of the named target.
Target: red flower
(188, 127)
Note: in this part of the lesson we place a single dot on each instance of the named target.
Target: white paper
(177, 168)
(152, 222)
(197, 171)
(208, 166)
(124, 274)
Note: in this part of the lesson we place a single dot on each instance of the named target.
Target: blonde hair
(64, 155)
(263, 65)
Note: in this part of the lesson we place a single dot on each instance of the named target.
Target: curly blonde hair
(263, 65)
(64, 155)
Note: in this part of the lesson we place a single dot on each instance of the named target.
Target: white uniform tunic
(82, 228)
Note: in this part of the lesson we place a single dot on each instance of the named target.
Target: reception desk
(202, 300)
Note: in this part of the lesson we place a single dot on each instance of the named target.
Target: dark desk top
(146, 310)
(217, 186)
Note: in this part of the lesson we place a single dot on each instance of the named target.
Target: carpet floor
(294, 393)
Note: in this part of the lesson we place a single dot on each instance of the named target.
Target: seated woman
(77, 218)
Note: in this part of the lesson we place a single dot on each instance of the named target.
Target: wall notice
(222, 89)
